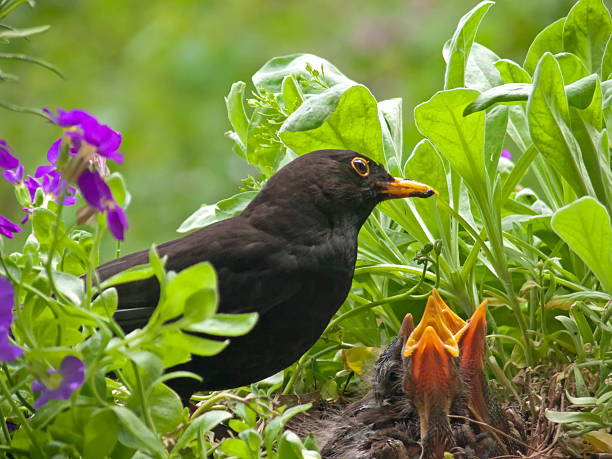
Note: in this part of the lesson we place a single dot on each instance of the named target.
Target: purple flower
(64, 382)
(7, 160)
(103, 138)
(52, 184)
(8, 228)
(506, 154)
(97, 194)
(14, 177)
(8, 352)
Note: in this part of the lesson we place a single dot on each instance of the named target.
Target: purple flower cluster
(60, 384)
(86, 144)
(8, 352)
(8, 162)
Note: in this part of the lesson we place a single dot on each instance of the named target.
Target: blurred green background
(158, 71)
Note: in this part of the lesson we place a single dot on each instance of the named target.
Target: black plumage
(289, 256)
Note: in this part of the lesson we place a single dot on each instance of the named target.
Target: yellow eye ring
(361, 166)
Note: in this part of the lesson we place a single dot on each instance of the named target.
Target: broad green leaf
(585, 226)
(548, 40)
(139, 435)
(119, 190)
(480, 72)
(43, 224)
(198, 307)
(425, 165)
(226, 324)
(270, 77)
(190, 280)
(600, 439)
(496, 121)
(200, 425)
(209, 214)
(70, 286)
(105, 304)
(290, 446)
(572, 68)
(166, 409)
(511, 72)
(579, 94)
(356, 357)
(263, 148)
(563, 417)
(100, 434)
(275, 425)
(292, 94)
(342, 117)
(129, 275)
(458, 50)
(390, 112)
(148, 362)
(586, 32)
(606, 63)
(236, 447)
(459, 139)
(549, 123)
(234, 102)
(196, 345)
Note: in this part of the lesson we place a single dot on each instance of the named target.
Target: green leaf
(481, 72)
(43, 224)
(119, 190)
(100, 434)
(565, 417)
(549, 40)
(275, 425)
(226, 324)
(459, 139)
(458, 50)
(236, 448)
(600, 439)
(166, 409)
(139, 435)
(606, 63)
(586, 32)
(425, 165)
(106, 303)
(22, 33)
(290, 446)
(549, 123)
(187, 282)
(209, 214)
(292, 94)
(579, 94)
(148, 362)
(236, 113)
(270, 77)
(390, 111)
(199, 426)
(585, 226)
(129, 275)
(511, 72)
(70, 286)
(341, 117)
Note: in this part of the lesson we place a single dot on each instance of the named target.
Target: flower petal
(54, 151)
(117, 221)
(8, 228)
(7, 160)
(95, 191)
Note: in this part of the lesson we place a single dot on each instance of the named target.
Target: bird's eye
(361, 166)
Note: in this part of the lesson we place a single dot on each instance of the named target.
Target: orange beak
(404, 188)
(471, 341)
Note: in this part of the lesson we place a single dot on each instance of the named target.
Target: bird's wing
(255, 271)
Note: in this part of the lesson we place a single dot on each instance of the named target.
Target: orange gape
(444, 357)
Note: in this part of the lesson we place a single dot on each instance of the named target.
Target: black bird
(289, 256)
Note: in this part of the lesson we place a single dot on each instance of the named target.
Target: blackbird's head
(338, 182)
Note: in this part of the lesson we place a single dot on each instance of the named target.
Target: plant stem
(22, 419)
